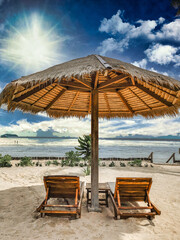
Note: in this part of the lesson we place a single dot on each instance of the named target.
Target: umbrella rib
(33, 91)
(55, 99)
(124, 101)
(112, 81)
(154, 95)
(162, 90)
(74, 85)
(84, 82)
(133, 81)
(96, 80)
(43, 95)
(140, 99)
(115, 88)
(107, 102)
(73, 101)
(36, 85)
(89, 108)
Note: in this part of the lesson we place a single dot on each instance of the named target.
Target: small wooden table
(103, 188)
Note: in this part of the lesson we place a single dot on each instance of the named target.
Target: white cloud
(162, 54)
(115, 25)
(170, 31)
(161, 20)
(123, 31)
(142, 63)
(158, 127)
(110, 44)
(154, 70)
(107, 128)
(145, 29)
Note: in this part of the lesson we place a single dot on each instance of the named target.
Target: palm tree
(84, 149)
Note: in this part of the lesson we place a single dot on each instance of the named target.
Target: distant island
(8, 135)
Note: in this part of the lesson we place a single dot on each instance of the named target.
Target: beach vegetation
(55, 162)
(87, 171)
(84, 150)
(112, 164)
(72, 158)
(122, 164)
(48, 163)
(145, 165)
(103, 164)
(135, 163)
(81, 164)
(5, 161)
(38, 164)
(84, 147)
(25, 161)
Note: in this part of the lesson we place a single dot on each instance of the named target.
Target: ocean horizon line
(100, 138)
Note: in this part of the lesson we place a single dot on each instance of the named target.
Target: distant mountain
(8, 135)
(138, 136)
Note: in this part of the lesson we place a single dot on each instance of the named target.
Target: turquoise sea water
(49, 147)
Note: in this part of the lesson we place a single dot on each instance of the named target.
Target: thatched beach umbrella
(96, 85)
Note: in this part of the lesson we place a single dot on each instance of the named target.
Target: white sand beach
(22, 190)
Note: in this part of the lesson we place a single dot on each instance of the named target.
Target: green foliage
(122, 164)
(25, 161)
(72, 158)
(87, 170)
(64, 162)
(48, 163)
(81, 165)
(55, 162)
(5, 161)
(103, 164)
(84, 147)
(38, 164)
(135, 163)
(112, 164)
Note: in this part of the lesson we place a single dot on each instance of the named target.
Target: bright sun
(31, 46)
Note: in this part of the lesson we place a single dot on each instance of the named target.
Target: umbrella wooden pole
(94, 152)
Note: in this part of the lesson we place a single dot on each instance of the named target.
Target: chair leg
(150, 217)
(42, 215)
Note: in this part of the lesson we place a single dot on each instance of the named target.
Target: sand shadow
(17, 214)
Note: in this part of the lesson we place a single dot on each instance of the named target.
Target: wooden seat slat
(132, 190)
(132, 199)
(63, 187)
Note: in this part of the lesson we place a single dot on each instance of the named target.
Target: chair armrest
(156, 209)
(39, 208)
(81, 195)
(114, 203)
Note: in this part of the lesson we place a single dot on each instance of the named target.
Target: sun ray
(32, 45)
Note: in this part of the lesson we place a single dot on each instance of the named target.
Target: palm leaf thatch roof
(65, 90)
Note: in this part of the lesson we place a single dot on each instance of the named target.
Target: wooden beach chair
(127, 192)
(66, 187)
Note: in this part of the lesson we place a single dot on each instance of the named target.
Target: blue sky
(38, 34)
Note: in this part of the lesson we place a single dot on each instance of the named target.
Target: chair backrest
(132, 189)
(62, 186)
